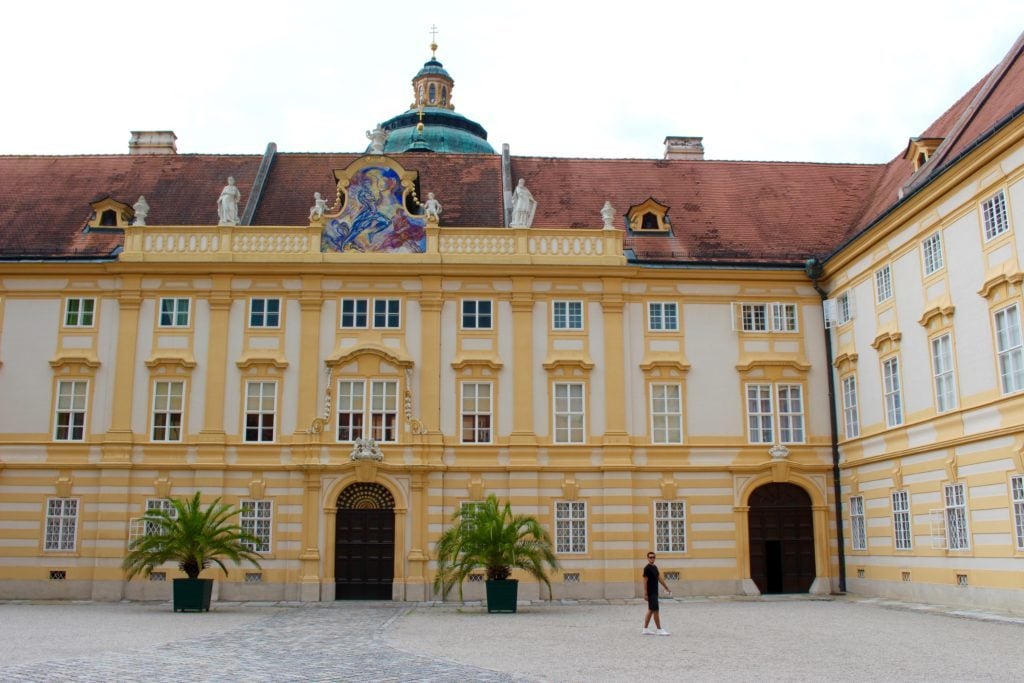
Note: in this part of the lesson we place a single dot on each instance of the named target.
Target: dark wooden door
(364, 559)
(781, 532)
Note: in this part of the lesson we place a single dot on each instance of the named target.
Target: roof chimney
(679, 147)
(153, 142)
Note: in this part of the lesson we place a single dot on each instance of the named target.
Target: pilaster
(117, 443)
(211, 436)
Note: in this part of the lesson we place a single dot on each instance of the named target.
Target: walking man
(652, 577)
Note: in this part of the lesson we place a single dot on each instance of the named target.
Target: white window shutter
(828, 309)
(136, 529)
(938, 523)
(736, 312)
(851, 302)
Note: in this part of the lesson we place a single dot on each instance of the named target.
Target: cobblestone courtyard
(712, 639)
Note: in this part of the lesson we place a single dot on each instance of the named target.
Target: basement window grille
(860, 573)
(671, 576)
(476, 578)
(58, 574)
(254, 577)
(571, 577)
(961, 579)
(906, 576)
(158, 576)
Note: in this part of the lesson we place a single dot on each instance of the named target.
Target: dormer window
(108, 218)
(649, 216)
(920, 150)
(110, 213)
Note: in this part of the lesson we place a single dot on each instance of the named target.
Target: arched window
(432, 93)
(444, 96)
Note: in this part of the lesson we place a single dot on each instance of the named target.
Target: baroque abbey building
(782, 377)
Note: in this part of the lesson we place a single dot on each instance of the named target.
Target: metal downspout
(813, 270)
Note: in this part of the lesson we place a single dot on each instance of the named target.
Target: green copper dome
(444, 132)
(432, 68)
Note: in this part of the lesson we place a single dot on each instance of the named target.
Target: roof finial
(433, 41)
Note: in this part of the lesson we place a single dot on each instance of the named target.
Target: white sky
(800, 81)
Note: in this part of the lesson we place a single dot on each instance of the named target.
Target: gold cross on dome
(433, 40)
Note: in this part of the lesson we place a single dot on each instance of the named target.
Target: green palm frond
(192, 536)
(490, 536)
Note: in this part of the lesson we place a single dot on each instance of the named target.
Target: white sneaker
(647, 632)
(662, 632)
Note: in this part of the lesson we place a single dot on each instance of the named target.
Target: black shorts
(652, 603)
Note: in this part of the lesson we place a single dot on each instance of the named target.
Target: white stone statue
(524, 206)
(141, 210)
(227, 203)
(319, 207)
(432, 208)
(377, 137)
(366, 449)
(608, 215)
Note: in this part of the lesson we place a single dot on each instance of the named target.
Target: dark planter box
(192, 595)
(502, 595)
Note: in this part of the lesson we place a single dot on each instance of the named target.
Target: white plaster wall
(713, 391)
(634, 325)
(541, 415)
(972, 327)
(140, 381)
(870, 405)
(449, 394)
(414, 344)
(915, 355)
(328, 337)
(503, 406)
(597, 407)
(1015, 204)
(27, 344)
(233, 389)
(106, 351)
(195, 410)
(293, 353)
(816, 406)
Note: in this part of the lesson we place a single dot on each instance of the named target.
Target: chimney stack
(681, 147)
(153, 142)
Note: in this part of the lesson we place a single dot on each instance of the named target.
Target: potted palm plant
(194, 537)
(488, 535)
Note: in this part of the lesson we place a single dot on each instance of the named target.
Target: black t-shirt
(651, 576)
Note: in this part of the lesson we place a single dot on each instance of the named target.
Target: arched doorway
(781, 532)
(364, 543)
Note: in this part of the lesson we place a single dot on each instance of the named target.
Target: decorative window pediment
(394, 356)
(110, 213)
(773, 367)
(938, 315)
(171, 358)
(1000, 285)
(650, 216)
(578, 360)
(478, 359)
(846, 360)
(77, 361)
(665, 362)
(887, 341)
(261, 358)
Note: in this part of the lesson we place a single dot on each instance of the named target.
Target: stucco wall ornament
(608, 216)
(141, 208)
(377, 137)
(366, 449)
(227, 204)
(778, 452)
(524, 206)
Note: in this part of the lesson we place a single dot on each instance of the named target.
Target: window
(791, 413)
(956, 517)
(260, 407)
(569, 415)
(61, 524)
(901, 520)
(476, 315)
(468, 509)
(567, 315)
(670, 526)
(168, 398)
(1017, 490)
(79, 312)
(174, 312)
(893, 400)
(844, 308)
(71, 401)
(476, 412)
(784, 318)
(383, 410)
(851, 419)
(570, 527)
(1009, 347)
(993, 213)
(942, 364)
(883, 284)
(759, 413)
(264, 313)
(256, 518)
(931, 250)
(354, 313)
(662, 317)
(858, 530)
(351, 405)
(666, 414)
(754, 317)
(386, 313)
(162, 504)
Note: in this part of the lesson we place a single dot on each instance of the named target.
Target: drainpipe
(813, 269)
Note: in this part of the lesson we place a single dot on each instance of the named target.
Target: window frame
(476, 315)
(892, 391)
(674, 521)
(66, 525)
(883, 284)
(476, 414)
(760, 414)
(354, 314)
(265, 314)
(902, 521)
(661, 320)
(163, 504)
(571, 416)
(82, 413)
(780, 319)
(252, 523)
(665, 415)
(387, 426)
(1017, 502)
(80, 312)
(260, 413)
(562, 321)
(944, 377)
(858, 524)
(749, 318)
(995, 220)
(175, 312)
(844, 308)
(167, 412)
(387, 314)
(357, 416)
(796, 422)
(932, 258)
(851, 409)
(956, 517)
(571, 527)
(1010, 380)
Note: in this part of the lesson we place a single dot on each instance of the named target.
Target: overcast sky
(797, 81)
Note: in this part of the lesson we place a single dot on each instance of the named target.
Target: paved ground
(788, 639)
